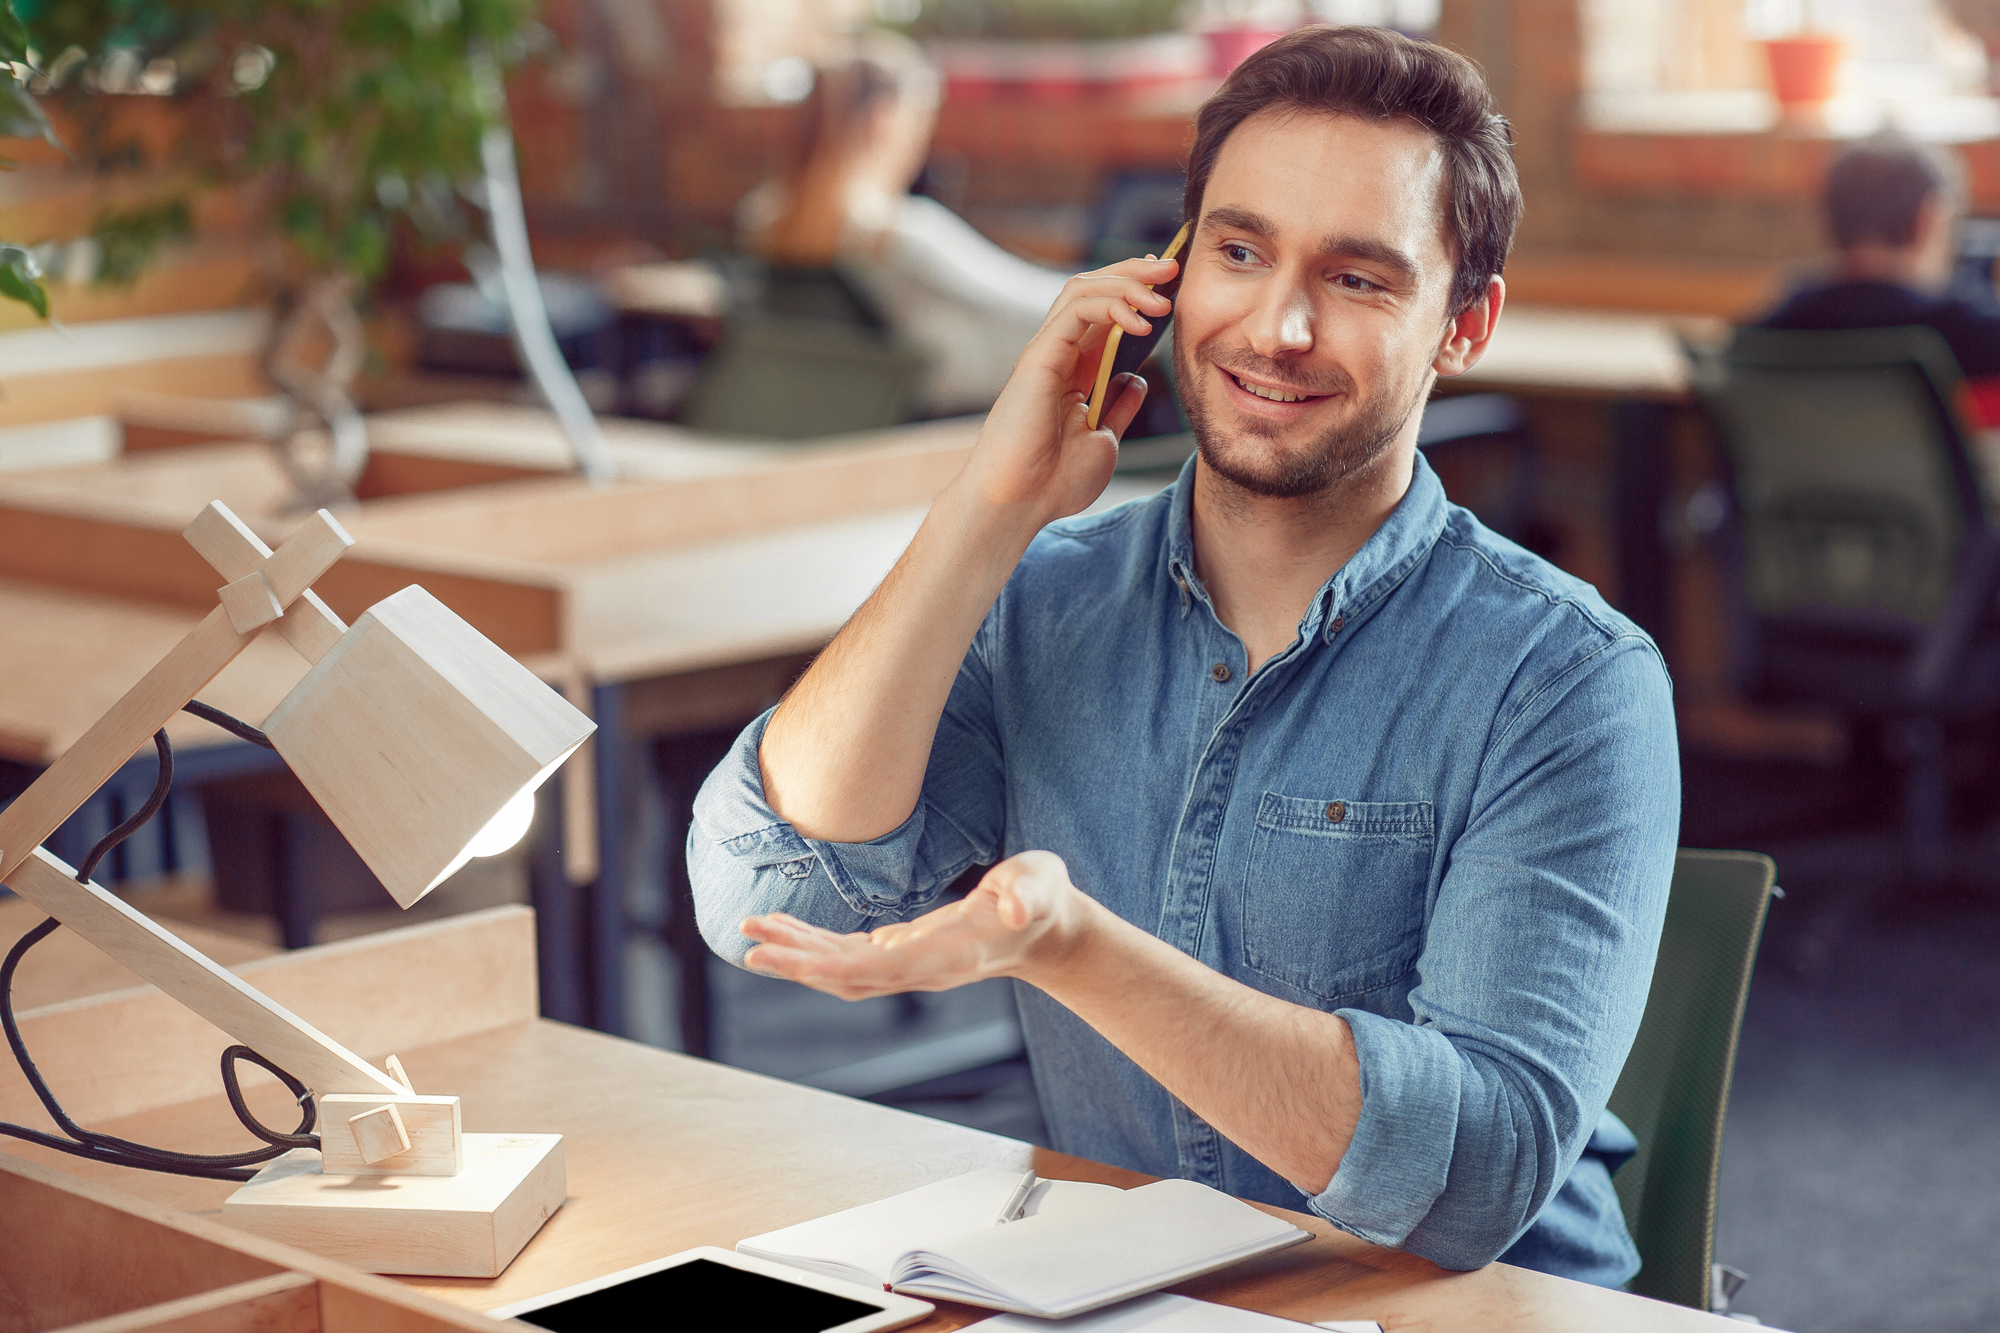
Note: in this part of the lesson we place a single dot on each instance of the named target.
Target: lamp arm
(115, 737)
(107, 921)
(176, 678)
(195, 980)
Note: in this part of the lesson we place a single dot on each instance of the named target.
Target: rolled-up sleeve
(745, 860)
(1534, 973)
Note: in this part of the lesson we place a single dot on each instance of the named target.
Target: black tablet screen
(701, 1293)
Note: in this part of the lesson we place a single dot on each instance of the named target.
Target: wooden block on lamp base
(378, 1135)
(468, 1225)
(431, 1124)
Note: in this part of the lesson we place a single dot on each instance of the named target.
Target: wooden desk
(654, 629)
(682, 596)
(664, 1151)
(1588, 352)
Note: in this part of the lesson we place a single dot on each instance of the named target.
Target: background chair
(805, 354)
(1860, 568)
(1481, 449)
(1674, 1090)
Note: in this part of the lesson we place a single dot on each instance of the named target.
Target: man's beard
(1337, 454)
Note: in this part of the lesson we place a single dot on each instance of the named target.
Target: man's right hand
(1036, 450)
(843, 758)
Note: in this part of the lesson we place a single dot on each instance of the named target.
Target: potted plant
(1238, 29)
(20, 118)
(346, 121)
(1056, 49)
(1804, 63)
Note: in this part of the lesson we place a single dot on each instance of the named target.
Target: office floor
(1861, 1169)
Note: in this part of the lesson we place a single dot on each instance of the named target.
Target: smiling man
(1332, 831)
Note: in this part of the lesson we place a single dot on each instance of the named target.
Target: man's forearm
(1279, 1080)
(843, 758)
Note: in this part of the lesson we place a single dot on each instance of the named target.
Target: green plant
(344, 119)
(1045, 20)
(349, 117)
(20, 118)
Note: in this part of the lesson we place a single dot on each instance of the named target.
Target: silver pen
(1010, 1211)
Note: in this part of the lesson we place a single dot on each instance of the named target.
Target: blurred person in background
(1893, 206)
(845, 201)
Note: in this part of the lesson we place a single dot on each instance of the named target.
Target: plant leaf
(20, 115)
(21, 280)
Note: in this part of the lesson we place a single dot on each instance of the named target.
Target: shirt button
(1338, 623)
(1220, 673)
(1336, 811)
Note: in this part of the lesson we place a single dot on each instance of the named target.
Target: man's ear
(1466, 336)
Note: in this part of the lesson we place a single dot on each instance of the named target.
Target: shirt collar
(1383, 561)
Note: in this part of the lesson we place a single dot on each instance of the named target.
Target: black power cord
(86, 1143)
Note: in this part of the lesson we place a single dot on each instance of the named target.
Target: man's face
(1315, 300)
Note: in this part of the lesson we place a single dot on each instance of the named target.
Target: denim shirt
(1447, 813)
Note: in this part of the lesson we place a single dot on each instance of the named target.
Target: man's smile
(1265, 398)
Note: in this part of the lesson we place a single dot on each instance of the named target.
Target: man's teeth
(1275, 395)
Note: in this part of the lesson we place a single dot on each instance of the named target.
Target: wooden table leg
(562, 964)
(615, 797)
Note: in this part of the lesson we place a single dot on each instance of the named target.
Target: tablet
(713, 1286)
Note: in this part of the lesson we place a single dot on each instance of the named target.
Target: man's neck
(1901, 265)
(1263, 559)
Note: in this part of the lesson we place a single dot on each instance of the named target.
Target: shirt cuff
(873, 878)
(1397, 1163)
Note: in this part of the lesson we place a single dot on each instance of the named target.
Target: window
(1696, 66)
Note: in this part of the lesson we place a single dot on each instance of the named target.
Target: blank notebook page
(863, 1244)
(1087, 1249)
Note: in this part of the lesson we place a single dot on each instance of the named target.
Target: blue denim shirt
(1446, 813)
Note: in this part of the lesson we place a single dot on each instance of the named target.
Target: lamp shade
(417, 734)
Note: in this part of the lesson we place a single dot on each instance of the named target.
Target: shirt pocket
(1334, 894)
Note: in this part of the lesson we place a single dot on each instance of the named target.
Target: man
(1336, 830)
(1892, 206)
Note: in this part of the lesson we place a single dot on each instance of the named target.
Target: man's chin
(1259, 463)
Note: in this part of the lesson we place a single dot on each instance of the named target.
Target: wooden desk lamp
(424, 743)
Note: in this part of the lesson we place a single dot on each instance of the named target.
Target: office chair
(1860, 568)
(1137, 213)
(1481, 449)
(1674, 1091)
(805, 354)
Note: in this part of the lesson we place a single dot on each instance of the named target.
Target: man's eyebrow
(1372, 252)
(1228, 217)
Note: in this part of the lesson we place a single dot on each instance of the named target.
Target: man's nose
(1282, 322)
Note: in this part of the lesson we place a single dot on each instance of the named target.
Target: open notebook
(1076, 1246)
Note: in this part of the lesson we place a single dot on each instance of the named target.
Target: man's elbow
(726, 891)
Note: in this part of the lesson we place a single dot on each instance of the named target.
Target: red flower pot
(1803, 67)
(1230, 47)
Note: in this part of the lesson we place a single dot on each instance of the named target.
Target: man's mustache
(1243, 361)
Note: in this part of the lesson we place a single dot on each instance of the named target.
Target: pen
(1011, 1210)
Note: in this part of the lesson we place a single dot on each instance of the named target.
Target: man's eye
(1354, 282)
(1239, 254)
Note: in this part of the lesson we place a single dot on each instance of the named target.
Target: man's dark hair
(1875, 189)
(1379, 75)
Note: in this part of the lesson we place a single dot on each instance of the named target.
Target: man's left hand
(1024, 911)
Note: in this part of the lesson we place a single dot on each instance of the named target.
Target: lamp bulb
(506, 828)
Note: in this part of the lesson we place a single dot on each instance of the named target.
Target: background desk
(664, 1151)
(1620, 381)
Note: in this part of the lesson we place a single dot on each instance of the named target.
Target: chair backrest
(788, 378)
(1853, 487)
(1674, 1090)
(1479, 445)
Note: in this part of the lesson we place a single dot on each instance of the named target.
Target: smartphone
(1124, 353)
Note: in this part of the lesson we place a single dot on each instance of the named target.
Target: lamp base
(468, 1225)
